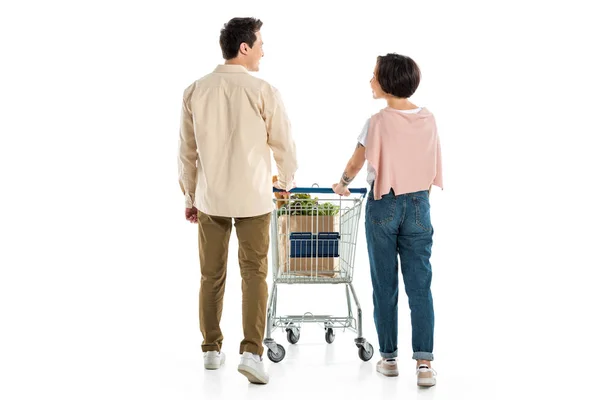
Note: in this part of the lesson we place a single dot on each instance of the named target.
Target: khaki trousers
(213, 239)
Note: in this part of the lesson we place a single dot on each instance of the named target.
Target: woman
(401, 146)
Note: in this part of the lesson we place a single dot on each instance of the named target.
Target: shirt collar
(231, 68)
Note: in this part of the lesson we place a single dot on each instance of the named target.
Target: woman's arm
(357, 161)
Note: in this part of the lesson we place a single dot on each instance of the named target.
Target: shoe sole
(251, 375)
(387, 373)
(426, 382)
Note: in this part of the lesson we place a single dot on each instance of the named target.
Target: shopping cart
(314, 242)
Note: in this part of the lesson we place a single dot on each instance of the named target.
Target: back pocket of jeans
(381, 211)
(422, 217)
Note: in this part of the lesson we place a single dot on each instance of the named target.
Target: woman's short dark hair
(236, 32)
(398, 75)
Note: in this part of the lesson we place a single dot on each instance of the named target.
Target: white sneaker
(387, 367)
(426, 376)
(252, 367)
(214, 359)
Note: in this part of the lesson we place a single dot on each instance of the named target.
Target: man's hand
(191, 214)
(280, 196)
(341, 189)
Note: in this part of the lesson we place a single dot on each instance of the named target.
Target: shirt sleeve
(187, 154)
(362, 138)
(280, 138)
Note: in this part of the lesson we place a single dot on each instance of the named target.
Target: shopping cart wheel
(293, 335)
(365, 352)
(329, 335)
(276, 357)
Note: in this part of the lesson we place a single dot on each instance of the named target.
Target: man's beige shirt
(230, 122)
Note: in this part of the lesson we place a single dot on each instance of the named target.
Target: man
(230, 122)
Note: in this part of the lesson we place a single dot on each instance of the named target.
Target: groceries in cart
(308, 232)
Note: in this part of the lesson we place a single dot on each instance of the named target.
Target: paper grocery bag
(306, 266)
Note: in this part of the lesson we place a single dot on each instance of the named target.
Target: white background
(99, 268)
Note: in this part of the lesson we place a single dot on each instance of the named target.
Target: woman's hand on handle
(340, 189)
(352, 169)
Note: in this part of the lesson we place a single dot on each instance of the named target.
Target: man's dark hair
(236, 32)
(398, 75)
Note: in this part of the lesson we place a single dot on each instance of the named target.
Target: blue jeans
(401, 225)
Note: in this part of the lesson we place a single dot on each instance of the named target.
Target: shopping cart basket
(314, 242)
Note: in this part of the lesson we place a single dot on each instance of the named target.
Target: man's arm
(188, 155)
(357, 161)
(279, 139)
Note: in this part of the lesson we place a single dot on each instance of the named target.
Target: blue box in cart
(292, 262)
(306, 244)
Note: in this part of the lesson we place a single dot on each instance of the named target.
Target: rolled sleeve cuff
(287, 186)
(189, 201)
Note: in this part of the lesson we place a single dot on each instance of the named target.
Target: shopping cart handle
(316, 190)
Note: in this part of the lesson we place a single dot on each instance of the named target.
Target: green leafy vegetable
(303, 204)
